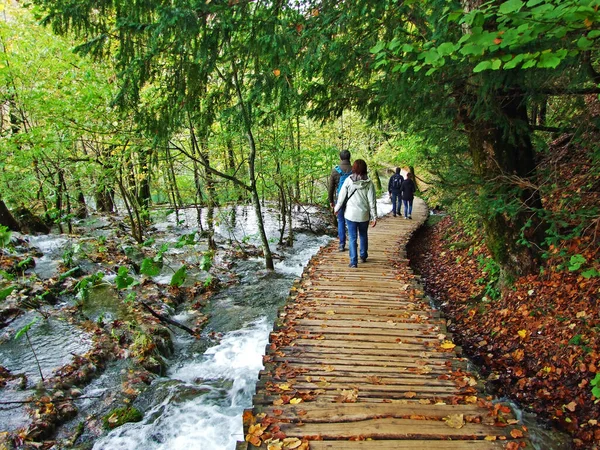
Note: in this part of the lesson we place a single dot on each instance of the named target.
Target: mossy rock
(119, 416)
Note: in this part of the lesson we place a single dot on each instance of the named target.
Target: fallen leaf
(447, 345)
(455, 420)
(295, 401)
(516, 433)
(522, 333)
(410, 394)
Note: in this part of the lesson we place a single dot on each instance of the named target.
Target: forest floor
(538, 340)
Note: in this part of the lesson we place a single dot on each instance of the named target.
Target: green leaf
(378, 47)
(6, 292)
(590, 273)
(69, 272)
(584, 43)
(549, 61)
(596, 380)
(123, 279)
(483, 65)
(532, 3)
(431, 56)
(596, 392)
(5, 235)
(179, 277)
(510, 6)
(447, 48)
(496, 64)
(576, 262)
(206, 261)
(593, 34)
(514, 62)
(25, 329)
(150, 267)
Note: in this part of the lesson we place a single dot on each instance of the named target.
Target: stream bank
(514, 339)
(107, 363)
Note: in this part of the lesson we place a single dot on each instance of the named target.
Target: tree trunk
(504, 158)
(7, 219)
(252, 173)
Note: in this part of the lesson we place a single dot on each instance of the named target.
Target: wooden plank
(392, 428)
(354, 412)
(407, 445)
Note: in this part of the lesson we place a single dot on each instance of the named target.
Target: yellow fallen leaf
(471, 399)
(455, 420)
(522, 333)
(410, 394)
(490, 438)
(291, 443)
(277, 402)
(284, 387)
(275, 445)
(447, 345)
(328, 368)
(295, 401)
(331, 312)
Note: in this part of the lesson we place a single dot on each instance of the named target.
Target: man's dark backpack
(397, 182)
(343, 176)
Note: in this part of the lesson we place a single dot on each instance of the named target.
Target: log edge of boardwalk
(359, 359)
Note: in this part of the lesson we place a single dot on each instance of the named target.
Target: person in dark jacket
(338, 175)
(408, 194)
(394, 189)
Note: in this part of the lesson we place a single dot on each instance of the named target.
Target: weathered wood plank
(354, 412)
(393, 428)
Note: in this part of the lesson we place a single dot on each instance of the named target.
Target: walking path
(359, 360)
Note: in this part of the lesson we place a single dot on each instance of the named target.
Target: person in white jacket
(358, 195)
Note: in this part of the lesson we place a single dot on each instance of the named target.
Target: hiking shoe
(363, 260)
(410, 217)
(353, 266)
(394, 215)
(342, 248)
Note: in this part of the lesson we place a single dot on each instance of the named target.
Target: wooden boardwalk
(359, 360)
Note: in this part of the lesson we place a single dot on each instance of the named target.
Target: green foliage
(206, 261)
(83, 286)
(123, 280)
(24, 263)
(69, 253)
(179, 277)
(25, 329)
(120, 416)
(595, 383)
(576, 262)
(186, 239)
(492, 272)
(5, 292)
(5, 235)
(150, 267)
(69, 273)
